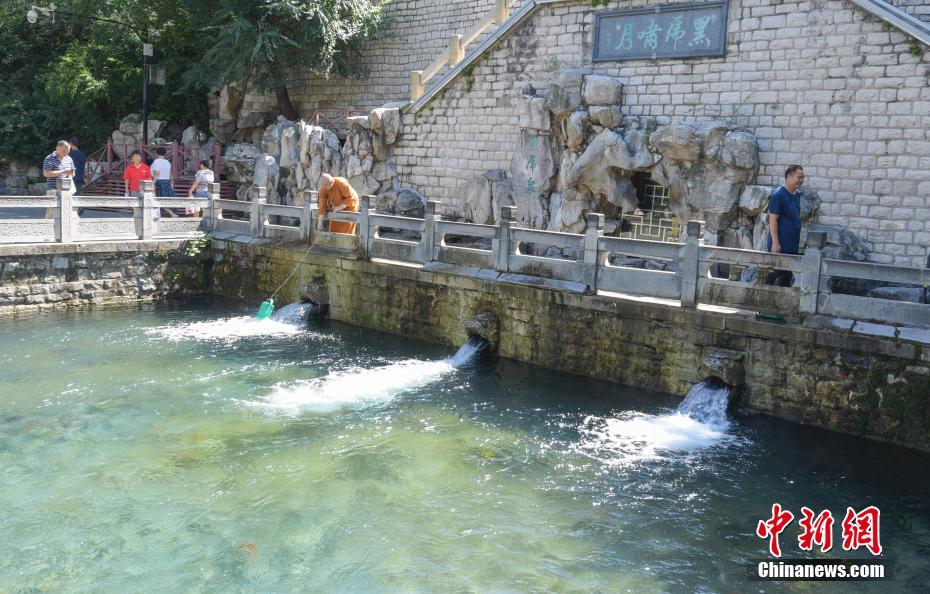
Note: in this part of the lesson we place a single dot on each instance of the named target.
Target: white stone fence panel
(578, 262)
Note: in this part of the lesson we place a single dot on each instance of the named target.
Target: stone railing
(455, 53)
(687, 282)
(132, 218)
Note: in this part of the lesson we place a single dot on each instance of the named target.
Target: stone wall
(820, 82)
(21, 179)
(819, 375)
(37, 276)
(917, 8)
(419, 33)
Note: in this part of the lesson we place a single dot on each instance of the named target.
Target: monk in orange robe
(336, 195)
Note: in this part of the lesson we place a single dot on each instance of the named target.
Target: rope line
(296, 266)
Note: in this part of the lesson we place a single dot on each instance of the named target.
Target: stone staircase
(112, 185)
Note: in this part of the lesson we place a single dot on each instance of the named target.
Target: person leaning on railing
(55, 165)
(784, 212)
(336, 195)
(200, 186)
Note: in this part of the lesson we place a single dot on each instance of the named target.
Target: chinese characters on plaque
(665, 31)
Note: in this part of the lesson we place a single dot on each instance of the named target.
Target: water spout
(295, 314)
(469, 353)
(710, 400)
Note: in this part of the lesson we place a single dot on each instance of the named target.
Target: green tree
(260, 45)
(75, 75)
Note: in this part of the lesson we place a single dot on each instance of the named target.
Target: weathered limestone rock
(239, 162)
(841, 243)
(290, 144)
(129, 134)
(384, 171)
(738, 234)
(678, 142)
(565, 93)
(602, 166)
(532, 173)
(230, 102)
(706, 167)
(266, 175)
(602, 90)
(320, 152)
(607, 116)
(192, 138)
(388, 121)
(810, 203)
(754, 199)
(364, 184)
(483, 195)
(568, 210)
(271, 139)
(360, 121)
(223, 129)
(409, 202)
(575, 128)
(532, 112)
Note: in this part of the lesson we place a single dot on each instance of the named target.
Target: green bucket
(265, 309)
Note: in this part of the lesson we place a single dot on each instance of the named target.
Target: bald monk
(336, 195)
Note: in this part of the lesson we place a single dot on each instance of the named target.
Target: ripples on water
(180, 450)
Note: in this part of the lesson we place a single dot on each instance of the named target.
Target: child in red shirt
(135, 172)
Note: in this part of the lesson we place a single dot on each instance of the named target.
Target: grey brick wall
(420, 33)
(821, 82)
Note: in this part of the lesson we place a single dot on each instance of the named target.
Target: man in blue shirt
(77, 155)
(785, 221)
(58, 164)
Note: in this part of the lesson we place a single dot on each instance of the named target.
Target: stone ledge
(48, 249)
(820, 331)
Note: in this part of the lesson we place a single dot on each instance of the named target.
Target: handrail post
(500, 12)
(314, 215)
(456, 51)
(688, 265)
(416, 85)
(593, 232)
(66, 226)
(212, 211)
(148, 207)
(427, 247)
(502, 245)
(364, 206)
(256, 217)
(306, 216)
(809, 277)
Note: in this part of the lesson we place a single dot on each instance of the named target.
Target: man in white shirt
(161, 173)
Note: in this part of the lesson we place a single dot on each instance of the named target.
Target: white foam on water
(352, 388)
(225, 330)
(636, 436)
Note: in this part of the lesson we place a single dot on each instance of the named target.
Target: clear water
(188, 450)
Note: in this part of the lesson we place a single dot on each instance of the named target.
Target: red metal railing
(114, 158)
